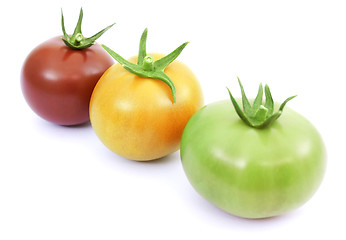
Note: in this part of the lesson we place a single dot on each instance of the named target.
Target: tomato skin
(57, 82)
(135, 117)
(248, 172)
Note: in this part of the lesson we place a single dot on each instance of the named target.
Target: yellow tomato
(136, 118)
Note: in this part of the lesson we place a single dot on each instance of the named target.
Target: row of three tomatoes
(246, 160)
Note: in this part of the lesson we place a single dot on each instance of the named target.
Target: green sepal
(240, 113)
(258, 115)
(146, 67)
(77, 41)
(142, 52)
(269, 103)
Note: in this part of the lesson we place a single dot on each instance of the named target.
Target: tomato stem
(258, 115)
(77, 41)
(146, 66)
(79, 38)
(261, 113)
(148, 63)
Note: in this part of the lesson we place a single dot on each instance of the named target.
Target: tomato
(57, 80)
(136, 117)
(252, 172)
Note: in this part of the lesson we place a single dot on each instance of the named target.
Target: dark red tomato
(57, 81)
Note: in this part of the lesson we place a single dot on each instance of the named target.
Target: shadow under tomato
(82, 125)
(247, 224)
(163, 160)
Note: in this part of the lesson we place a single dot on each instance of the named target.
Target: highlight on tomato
(258, 161)
(140, 106)
(59, 75)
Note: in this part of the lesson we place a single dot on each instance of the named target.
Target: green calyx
(77, 41)
(146, 66)
(258, 115)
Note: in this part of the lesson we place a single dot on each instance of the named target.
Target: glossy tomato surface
(57, 82)
(135, 116)
(248, 172)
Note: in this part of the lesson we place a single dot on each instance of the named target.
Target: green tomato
(250, 172)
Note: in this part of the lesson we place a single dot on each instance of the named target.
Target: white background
(62, 183)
